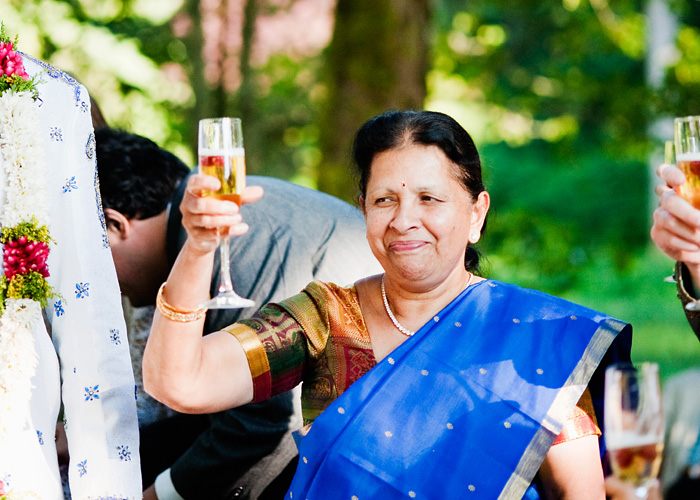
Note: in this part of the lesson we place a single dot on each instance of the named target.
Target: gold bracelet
(177, 314)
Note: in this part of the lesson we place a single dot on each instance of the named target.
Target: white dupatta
(88, 337)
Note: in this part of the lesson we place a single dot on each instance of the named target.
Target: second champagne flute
(687, 141)
(634, 423)
(221, 155)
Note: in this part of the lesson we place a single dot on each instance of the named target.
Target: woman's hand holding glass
(204, 216)
(179, 364)
(676, 229)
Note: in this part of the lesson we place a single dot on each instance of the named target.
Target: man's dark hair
(137, 177)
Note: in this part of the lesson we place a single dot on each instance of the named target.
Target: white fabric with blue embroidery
(98, 384)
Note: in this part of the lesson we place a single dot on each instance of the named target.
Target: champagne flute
(634, 423)
(670, 159)
(221, 155)
(687, 142)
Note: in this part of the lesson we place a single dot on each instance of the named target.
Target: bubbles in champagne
(229, 167)
(634, 458)
(689, 163)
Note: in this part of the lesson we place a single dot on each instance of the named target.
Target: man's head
(137, 181)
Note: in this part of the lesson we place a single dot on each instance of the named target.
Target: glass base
(693, 306)
(641, 492)
(228, 300)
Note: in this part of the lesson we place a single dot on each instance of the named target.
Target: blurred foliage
(555, 93)
(558, 107)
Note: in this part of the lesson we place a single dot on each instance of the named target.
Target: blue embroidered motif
(110, 497)
(70, 185)
(100, 211)
(114, 335)
(82, 290)
(82, 468)
(136, 392)
(58, 307)
(40, 435)
(90, 147)
(92, 393)
(124, 453)
(57, 74)
(56, 134)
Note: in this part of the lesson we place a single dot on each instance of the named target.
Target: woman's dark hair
(429, 128)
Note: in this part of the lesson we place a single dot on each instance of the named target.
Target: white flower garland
(24, 166)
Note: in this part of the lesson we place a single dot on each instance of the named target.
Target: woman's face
(419, 216)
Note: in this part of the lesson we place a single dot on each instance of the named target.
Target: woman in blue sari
(424, 382)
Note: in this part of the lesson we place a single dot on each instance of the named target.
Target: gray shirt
(296, 235)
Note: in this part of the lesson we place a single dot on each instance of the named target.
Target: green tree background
(556, 93)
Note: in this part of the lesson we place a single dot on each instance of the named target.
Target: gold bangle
(177, 314)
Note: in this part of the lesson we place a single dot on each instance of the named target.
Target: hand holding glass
(221, 155)
(687, 142)
(634, 423)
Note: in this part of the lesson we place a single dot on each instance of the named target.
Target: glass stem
(225, 284)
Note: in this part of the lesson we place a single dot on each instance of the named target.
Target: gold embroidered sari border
(257, 359)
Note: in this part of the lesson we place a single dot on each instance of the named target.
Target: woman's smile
(406, 245)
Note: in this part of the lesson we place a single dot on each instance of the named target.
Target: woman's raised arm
(189, 372)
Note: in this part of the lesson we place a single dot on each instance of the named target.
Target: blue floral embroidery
(124, 453)
(92, 393)
(82, 290)
(40, 435)
(114, 335)
(100, 211)
(90, 147)
(82, 468)
(57, 74)
(110, 497)
(136, 392)
(58, 307)
(56, 134)
(70, 185)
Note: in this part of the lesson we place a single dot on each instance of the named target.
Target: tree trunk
(377, 60)
(203, 99)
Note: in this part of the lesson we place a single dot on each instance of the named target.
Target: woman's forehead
(427, 158)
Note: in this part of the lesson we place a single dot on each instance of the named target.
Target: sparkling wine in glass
(634, 423)
(221, 155)
(687, 142)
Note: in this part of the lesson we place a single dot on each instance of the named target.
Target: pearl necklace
(399, 326)
(393, 319)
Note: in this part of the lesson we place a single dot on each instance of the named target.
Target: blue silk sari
(467, 407)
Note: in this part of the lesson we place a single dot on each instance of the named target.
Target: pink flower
(3, 491)
(11, 62)
(22, 256)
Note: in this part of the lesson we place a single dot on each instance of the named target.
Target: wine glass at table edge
(634, 423)
(687, 146)
(221, 155)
